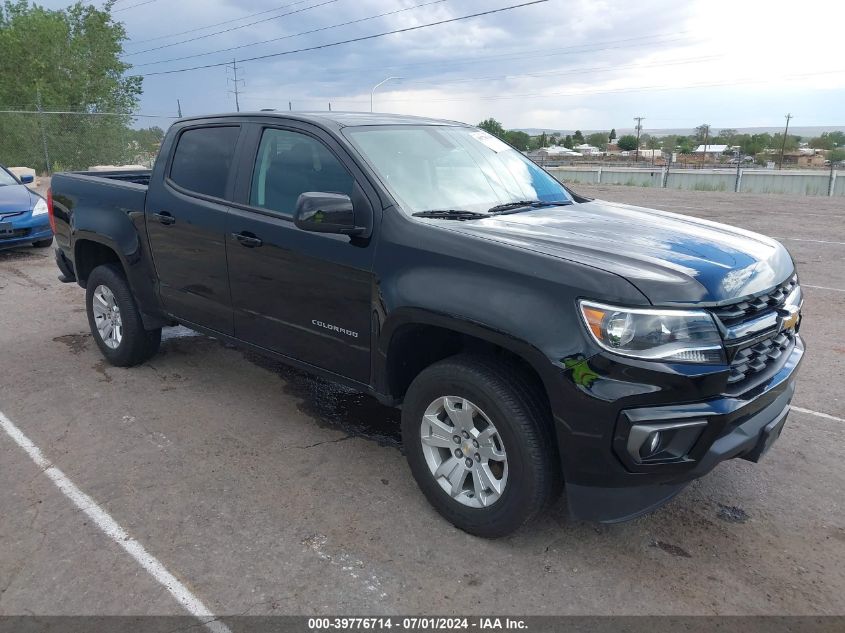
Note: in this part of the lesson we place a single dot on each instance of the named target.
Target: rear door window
(203, 158)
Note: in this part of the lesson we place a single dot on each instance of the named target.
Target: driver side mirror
(320, 212)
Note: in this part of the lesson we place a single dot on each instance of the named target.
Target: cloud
(592, 64)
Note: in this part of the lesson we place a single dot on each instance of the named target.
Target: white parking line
(798, 239)
(826, 416)
(110, 528)
(822, 288)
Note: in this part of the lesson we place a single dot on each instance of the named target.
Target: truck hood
(671, 258)
(14, 199)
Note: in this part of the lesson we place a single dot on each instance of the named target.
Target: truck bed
(139, 177)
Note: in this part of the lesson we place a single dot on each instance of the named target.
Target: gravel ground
(266, 491)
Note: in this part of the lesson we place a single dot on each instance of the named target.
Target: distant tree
(492, 126)
(828, 140)
(567, 141)
(628, 143)
(69, 59)
(791, 144)
(669, 143)
(702, 132)
(685, 145)
(578, 137)
(598, 139)
(653, 143)
(520, 140)
(612, 135)
(544, 140)
(727, 136)
(836, 155)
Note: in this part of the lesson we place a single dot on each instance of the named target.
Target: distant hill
(806, 131)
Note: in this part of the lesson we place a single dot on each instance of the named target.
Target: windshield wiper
(519, 204)
(450, 214)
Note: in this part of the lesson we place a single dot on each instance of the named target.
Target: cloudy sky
(589, 64)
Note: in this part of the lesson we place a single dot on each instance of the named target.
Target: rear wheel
(479, 445)
(115, 320)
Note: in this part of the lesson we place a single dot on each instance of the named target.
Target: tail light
(50, 209)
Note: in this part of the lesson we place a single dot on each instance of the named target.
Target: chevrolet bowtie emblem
(789, 317)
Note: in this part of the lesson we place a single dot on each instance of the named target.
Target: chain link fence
(50, 141)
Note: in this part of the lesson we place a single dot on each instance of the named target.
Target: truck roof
(332, 119)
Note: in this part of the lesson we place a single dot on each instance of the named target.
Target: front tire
(115, 320)
(507, 470)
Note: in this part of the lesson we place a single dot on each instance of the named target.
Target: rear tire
(115, 320)
(43, 243)
(522, 459)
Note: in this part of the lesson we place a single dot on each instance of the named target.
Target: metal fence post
(43, 132)
(832, 186)
(738, 186)
(598, 175)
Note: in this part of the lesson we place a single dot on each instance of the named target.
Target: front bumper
(26, 230)
(604, 482)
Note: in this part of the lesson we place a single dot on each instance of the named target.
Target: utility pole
(639, 120)
(706, 136)
(236, 82)
(783, 143)
(179, 107)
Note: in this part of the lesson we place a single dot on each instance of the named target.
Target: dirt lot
(265, 491)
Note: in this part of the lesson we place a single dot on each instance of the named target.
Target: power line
(233, 28)
(211, 26)
(519, 55)
(555, 73)
(132, 6)
(350, 41)
(539, 95)
(285, 37)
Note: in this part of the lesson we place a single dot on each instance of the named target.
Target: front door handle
(250, 241)
(164, 217)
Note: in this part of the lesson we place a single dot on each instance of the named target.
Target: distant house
(553, 152)
(709, 149)
(587, 150)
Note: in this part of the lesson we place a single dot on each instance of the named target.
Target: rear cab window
(203, 158)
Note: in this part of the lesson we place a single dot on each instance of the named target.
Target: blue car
(23, 214)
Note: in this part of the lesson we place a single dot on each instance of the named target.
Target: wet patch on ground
(732, 514)
(336, 406)
(669, 548)
(77, 343)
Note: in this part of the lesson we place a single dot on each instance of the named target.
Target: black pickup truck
(533, 338)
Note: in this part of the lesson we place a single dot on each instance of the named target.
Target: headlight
(40, 207)
(654, 334)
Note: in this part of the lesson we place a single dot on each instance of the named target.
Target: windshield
(428, 167)
(6, 178)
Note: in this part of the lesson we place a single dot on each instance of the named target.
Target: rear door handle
(250, 241)
(164, 217)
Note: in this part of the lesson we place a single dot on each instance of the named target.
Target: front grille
(738, 312)
(753, 358)
(756, 358)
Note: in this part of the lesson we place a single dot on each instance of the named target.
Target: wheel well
(88, 255)
(415, 347)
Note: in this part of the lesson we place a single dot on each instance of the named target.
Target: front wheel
(115, 320)
(479, 444)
